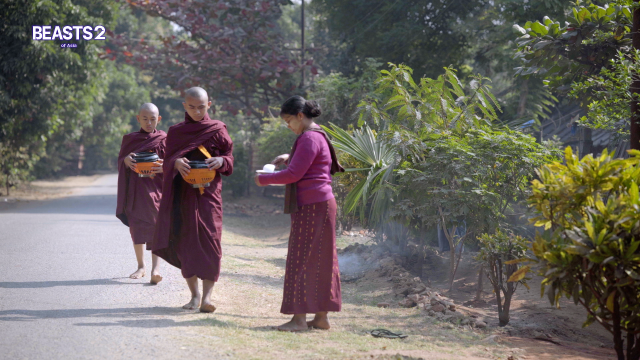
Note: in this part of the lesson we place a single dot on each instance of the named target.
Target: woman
(312, 277)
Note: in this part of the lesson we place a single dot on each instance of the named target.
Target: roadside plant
(590, 247)
(499, 253)
(439, 158)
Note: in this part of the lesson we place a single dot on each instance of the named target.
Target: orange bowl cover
(200, 176)
(144, 168)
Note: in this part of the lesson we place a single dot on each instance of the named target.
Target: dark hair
(297, 104)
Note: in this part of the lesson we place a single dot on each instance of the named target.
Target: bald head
(148, 117)
(196, 93)
(196, 103)
(150, 108)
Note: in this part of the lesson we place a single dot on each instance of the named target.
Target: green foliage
(447, 160)
(610, 94)
(431, 105)
(565, 52)
(378, 159)
(240, 181)
(499, 253)
(44, 90)
(340, 95)
(420, 35)
(275, 139)
(590, 249)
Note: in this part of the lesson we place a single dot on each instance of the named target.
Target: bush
(498, 253)
(589, 250)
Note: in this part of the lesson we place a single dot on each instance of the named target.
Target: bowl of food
(145, 162)
(268, 169)
(199, 176)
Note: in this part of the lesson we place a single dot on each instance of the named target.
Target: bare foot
(140, 273)
(193, 304)
(207, 308)
(293, 326)
(155, 279)
(322, 324)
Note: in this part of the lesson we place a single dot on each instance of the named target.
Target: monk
(138, 197)
(190, 221)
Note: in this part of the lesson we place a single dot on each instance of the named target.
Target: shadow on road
(85, 205)
(48, 284)
(31, 315)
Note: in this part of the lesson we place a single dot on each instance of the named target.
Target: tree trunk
(634, 141)
(503, 316)
(617, 331)
(524, 92)
(480, 283)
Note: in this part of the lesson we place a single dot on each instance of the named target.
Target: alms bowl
(145, 161)
(199, 176)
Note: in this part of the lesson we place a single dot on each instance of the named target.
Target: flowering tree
(234, 49)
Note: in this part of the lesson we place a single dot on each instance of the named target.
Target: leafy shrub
(498, 252)
(589, 250)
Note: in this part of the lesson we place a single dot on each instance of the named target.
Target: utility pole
(302, 47)
(634, 141)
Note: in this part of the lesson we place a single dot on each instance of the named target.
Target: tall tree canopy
(421, 34)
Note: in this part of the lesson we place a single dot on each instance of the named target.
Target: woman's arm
(306, 152)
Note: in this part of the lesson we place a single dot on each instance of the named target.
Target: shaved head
(196, 93)
(149, 107)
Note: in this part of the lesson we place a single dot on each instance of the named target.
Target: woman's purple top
(310, 167)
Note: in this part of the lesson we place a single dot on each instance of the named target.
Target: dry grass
(248, 298)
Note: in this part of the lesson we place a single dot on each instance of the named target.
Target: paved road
(64, 291)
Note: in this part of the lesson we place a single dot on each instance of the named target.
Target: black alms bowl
(144, 157)
(194, 164)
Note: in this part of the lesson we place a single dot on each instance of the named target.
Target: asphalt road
(65, 291)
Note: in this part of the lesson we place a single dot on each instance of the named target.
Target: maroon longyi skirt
(312, 277)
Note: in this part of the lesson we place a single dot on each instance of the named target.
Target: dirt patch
(47, 189)
(540, 330)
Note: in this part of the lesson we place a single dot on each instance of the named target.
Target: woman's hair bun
(297, 104)
(312, 109)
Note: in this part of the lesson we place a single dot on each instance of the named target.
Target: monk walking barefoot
(312, 277)
(190, 220)
(139, 198)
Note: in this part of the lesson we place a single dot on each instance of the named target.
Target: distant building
(563, 124)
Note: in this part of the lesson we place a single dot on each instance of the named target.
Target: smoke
(353, 264)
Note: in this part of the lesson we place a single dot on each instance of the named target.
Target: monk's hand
(157, 167)
(130, 162)
(214, 163)
(257, 180)
(280, 160)
(182, 165)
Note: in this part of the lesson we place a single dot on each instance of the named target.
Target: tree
(449, 162)
(589, 250)
(43, 87)
(567, 53)
(420, 34)
(498, 252)
(232, 49)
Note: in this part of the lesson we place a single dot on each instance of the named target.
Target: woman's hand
(280, 160)
(214, 163)
(257, 180)
(157, 167)
(130, 162)
(182, 165)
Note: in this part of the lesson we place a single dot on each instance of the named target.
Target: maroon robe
(189, 225)
(312, 276)
(139, 198)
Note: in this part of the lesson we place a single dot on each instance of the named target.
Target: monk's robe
(139, 198)
(190, 223)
